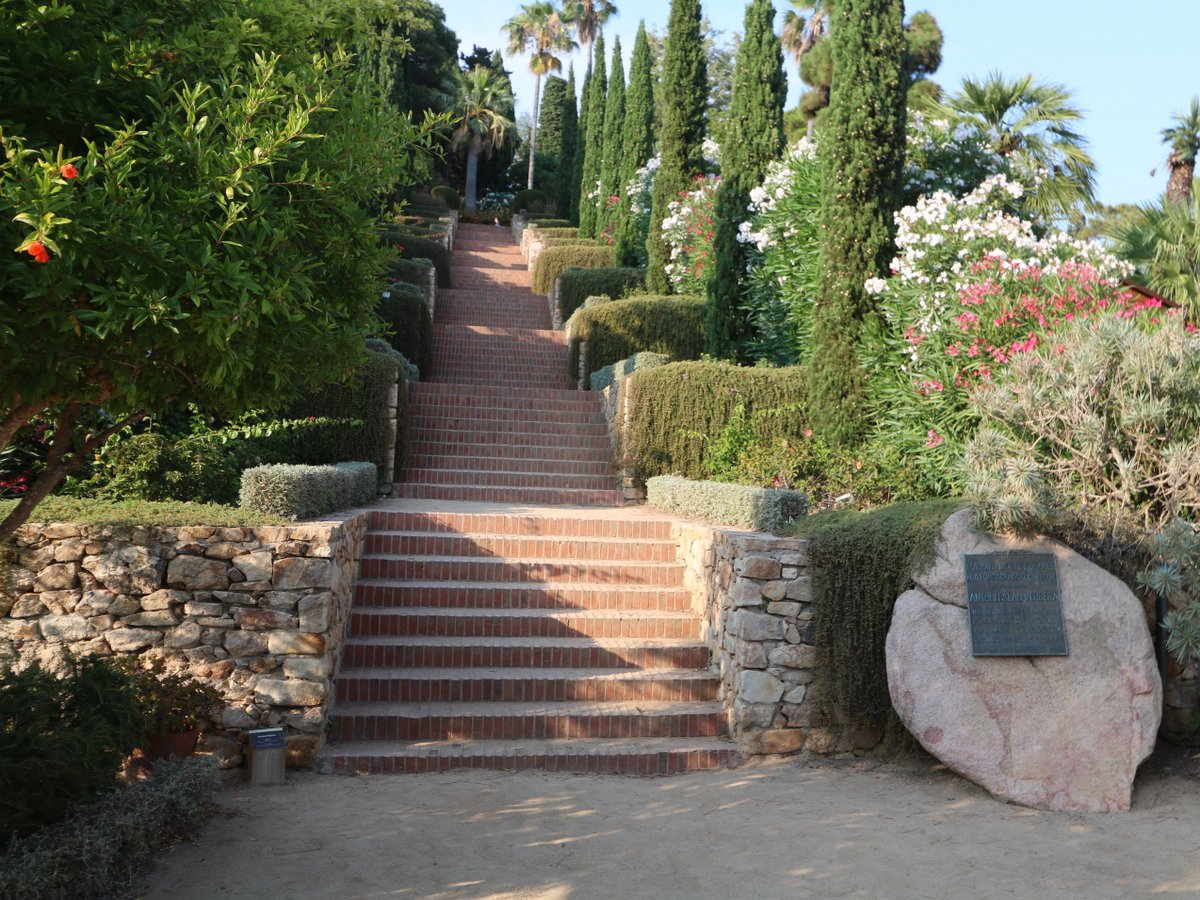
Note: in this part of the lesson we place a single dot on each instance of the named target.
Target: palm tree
(541, 30)
(800, 33)
(1033, 126)
(480, 128)
(1184, 140)
(588, 16)
(1164, 246)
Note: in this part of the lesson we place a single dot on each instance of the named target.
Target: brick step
(378, 593)
(466, 278)
(529, 320)
(531, 495)
(395, 685)
(487, 546)
(493, 652)
(430, 413)
(520, 394)
(486, 493)
(644, 756)
(484, 260)
(462, 373)
(501, 355)
(494, 437)
(424, 397)
(597, 467)
(508, 721)
(454, 332)
(521, 523)
(463, 447)
(523, 623)
(456, 477)
(493, 570)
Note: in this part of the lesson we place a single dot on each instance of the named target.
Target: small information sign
(266, 738)
(1014, 604)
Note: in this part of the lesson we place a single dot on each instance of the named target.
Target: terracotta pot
(160, 746)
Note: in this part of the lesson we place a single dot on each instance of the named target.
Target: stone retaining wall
(259, 612)
(754, 593)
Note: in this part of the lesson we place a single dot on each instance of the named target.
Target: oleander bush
(676, 410)
(735, 505)
(412, 246)
(553, 261)
(406, 315)
(609, 375)
(306, 492)
(105, 844)
(576, 285)
(613, 331)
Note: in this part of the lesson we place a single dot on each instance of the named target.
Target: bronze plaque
(1014, 604)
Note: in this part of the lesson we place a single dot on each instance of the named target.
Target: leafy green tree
(550, 135)
(1163, 243)
(593, 143)
(566, 147)
(753, 139)
(862, 157)
(478, 126)
(1184, 140)
(614, 132)
(637, 146)
(191, 225)
(1035, 127)
(541, 30)
(681, 135)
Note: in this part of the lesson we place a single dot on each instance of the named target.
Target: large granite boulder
(1052, 732)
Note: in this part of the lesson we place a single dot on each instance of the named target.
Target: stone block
(774, 590)
(745, 592)
(755, 686)
(162, 599)
(19, 629)
(762, 567)
(794, 656)
(226, 751)
(196, 608)
(751, 655)
(126, 569)
(28, 606)
(66, 628)
(195, 573)
(245, 643)
(796, 694)
(124, 605)
(154, 619)
(236, 717)
(775, 740)
(800, 589)
(756, 626)
(316, 612)
(286, 643)
(255, 566)
(302, 750)
(310, 721)
(747, 715)
(129, 640)
(57, 577)
(59, 603)
(60, 531)
(252, 618)
(282, 599)
(310, 668)
(300, 572)
(94, 603)
(68, 551)
(289, 692)
(224, 550)
(786, 608)
(184, 637)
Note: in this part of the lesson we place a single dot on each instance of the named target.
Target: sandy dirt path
(775, 829)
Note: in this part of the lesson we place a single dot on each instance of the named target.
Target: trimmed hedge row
(402, 309)
(737, 505)
(602, 378)
(576, 285)
(553, 261)
(674, 410)
(414, 246)
(613, 331)
(540, 222)
(305, 492)
(409, 374)
(447, 195)
(555, 231)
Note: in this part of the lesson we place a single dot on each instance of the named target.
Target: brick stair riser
(427, 416)
(427, 402)
(355, 688)
(360, 655)
(531, 496)
(537, 526)
(461, 448)
(524, 571)
(474, 359)
(532, 394)
(666, 599)
(537, 339)
(507, 440)
(596, 469)
(489, 546)
(633, 763)
(404, 623)
(535, 727)
(454, 478)
(455, 317)
(515, 381)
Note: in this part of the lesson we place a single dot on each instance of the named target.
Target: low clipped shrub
(543, 222)
(613, 331)
(305, 492)
(447, 195)
(553, 261)
(408, 375)
(576, 285)
(607, 376)
(414, 246)
(403, 310)
(677, 410)
(534, 201)
(736, 505)
(105, 844)
(549, 232)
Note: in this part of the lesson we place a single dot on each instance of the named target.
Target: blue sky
(1130, 66)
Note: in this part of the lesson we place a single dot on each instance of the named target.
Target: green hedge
(602, 378)
(410, 271)
(736, 505)
(547, 233)
(402, 309)
(677, 409)
(613, 331)
(576, 285)
(532, 200)
(305, 492)
(447, 195)
(414, 246)
(553, 261)
(542, 222)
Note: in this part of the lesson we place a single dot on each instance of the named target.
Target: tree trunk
(472, 186)
(1179, 182)
(537, 99)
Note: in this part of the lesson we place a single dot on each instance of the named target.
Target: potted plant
(172, 707)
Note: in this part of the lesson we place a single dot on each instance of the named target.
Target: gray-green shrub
(736, 505)
(607, 376)
(553, 261)
(305, 492)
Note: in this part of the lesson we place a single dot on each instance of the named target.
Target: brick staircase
(511, 613)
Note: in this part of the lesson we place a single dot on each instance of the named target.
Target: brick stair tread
(517, 561)
(438, 673)
(589, 586)
(553, 643)
(501, 536)
(526, 392)
(470, 612)
(492, 493)
(528, 708)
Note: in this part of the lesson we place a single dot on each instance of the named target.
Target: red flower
(38, 251)
(68, 171)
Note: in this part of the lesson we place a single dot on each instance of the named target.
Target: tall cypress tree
(614, 127)
(550, 126)
(752, 138)
(593, 157)
(637, 146)
(862, 153)
(566, 152)
(580, 144)
(681, 136)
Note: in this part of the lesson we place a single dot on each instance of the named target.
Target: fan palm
(1164, 247)
(1184, 140)
(541, 30)
(1033, 124)
(589, 15)
(800, 33)
(480, 128)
